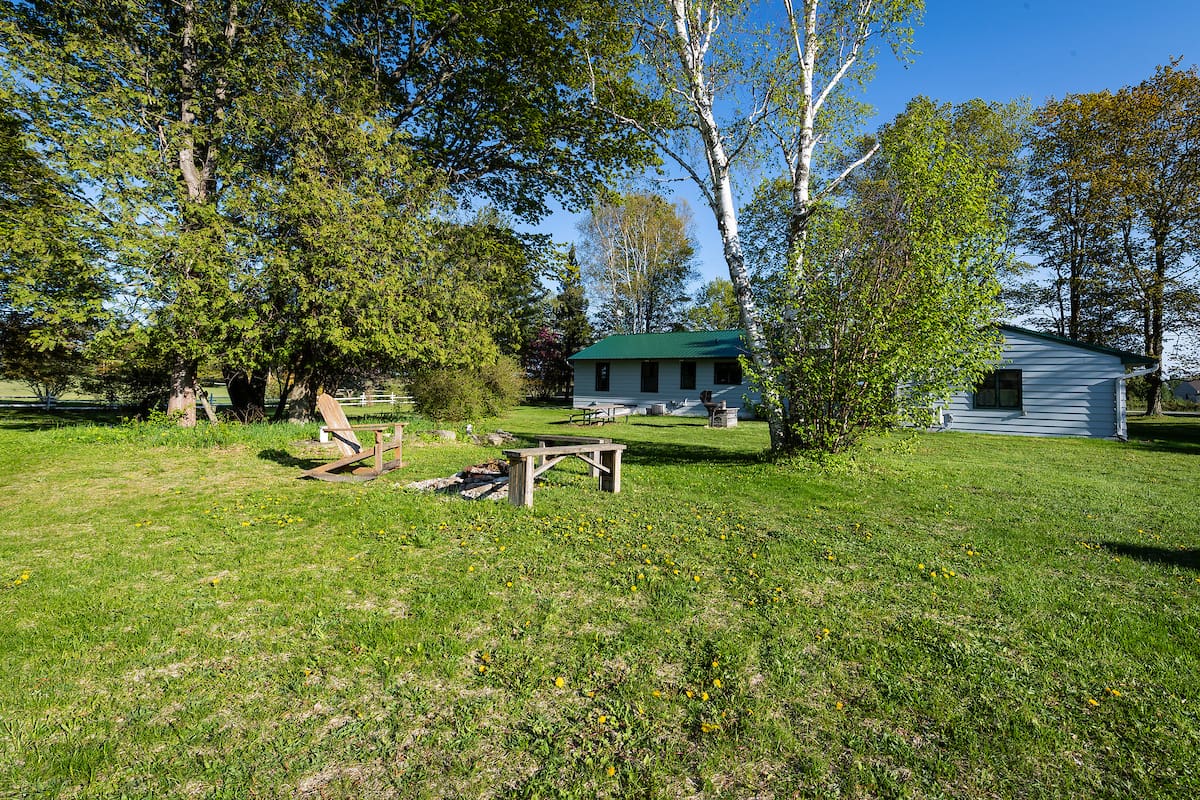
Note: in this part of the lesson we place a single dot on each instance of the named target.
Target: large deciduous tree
(740, 80)
(638, 258)
(51, 291)
(494, 95)
(899, 295)
(173, 118)
(1114, 213)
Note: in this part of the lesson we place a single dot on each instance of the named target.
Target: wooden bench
(525, 464)
(553, 441)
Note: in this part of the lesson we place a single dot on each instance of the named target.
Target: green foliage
(715, 307)
(1114, 213)
(638, 256)
(468, 393)
(895, 308)
(51, 289)
(268, 183)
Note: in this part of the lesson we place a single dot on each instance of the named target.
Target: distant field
(941, 615)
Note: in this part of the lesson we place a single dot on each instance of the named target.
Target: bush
(457, 395)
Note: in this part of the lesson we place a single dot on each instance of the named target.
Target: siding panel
(1066, 391)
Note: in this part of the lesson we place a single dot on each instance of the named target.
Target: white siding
(1066, 391)
(625, 383)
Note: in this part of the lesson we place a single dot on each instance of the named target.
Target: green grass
(940, 616)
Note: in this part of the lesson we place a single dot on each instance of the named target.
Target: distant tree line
(1111, 213)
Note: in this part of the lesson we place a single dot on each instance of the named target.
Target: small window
(649, 377)
(1000, 389)
(687, 374)
(727, 373)
(602, 372)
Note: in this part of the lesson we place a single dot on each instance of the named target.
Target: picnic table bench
(600, 414)
(525, 464)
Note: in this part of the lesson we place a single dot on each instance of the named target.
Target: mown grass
(939, 616)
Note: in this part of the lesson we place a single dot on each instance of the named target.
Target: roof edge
(1127, 358)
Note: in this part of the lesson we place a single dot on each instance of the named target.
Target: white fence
(377, 399)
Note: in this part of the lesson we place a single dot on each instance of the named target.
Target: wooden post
(610, 481)
(520, 481)
(378, 451)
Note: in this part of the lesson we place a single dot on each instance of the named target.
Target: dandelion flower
(603, 719)
(717, 683)
(559, 682)
(704, 696)
(611, 770)
(1092, 702)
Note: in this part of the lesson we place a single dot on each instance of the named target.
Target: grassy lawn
(941, 616)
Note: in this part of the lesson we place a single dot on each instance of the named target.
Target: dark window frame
(649, 371)
(687, 375)
(987, 395)
(603, 376)
(723, 378)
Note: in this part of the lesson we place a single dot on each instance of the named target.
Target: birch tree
(740, 80)
(638, 258)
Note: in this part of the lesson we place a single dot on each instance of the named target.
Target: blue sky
(1003, 50)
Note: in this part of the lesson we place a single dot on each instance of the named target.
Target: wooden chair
(342, 432)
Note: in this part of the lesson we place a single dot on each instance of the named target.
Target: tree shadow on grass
(27, 420)
(1170, 437)
(674, 454)
(1171, 557)
(286, 459)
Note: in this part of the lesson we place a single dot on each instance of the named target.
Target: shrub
(456, 395)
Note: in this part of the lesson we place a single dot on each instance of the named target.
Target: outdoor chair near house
(353, 452)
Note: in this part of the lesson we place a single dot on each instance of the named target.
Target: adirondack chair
(353, 452)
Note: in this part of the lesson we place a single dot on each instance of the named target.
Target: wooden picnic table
(600, 414)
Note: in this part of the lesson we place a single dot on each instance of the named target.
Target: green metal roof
(1127, 358)
(686, 344)
(729, 344)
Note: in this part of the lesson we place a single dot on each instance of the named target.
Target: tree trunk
(247, 394)
(182, 399)
(302, 401)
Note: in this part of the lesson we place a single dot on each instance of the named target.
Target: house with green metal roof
(664, 372)
(1042, 385)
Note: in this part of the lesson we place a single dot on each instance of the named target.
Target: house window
(727, 373)
(1000, 389)
(687, 374)
(602, 372)
(649, 377)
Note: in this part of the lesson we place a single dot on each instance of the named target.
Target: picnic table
(600, 414)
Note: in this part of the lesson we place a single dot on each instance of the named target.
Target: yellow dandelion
(656, 693)
(717, 683)
(560, 682)
(696, 578)
(839, 705)
(603, 719)
(611, 771)
(704, 696)
(1092, 702)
